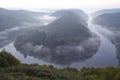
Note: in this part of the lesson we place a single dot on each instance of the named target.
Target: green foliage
(117, 76)
(10, 70)
(7, 60)
(107, 73)
(38, 72)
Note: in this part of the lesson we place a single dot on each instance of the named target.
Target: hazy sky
(38, 4)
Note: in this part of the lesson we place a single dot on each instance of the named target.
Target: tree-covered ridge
(7, 60)
(45, 72)
(79, 12)
(61, 42)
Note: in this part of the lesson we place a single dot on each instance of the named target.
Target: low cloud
(64, 55)
(46, 19)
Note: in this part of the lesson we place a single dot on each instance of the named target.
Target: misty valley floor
(98, 49)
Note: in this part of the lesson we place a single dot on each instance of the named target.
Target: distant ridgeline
(106, 11)
(12, 69)
(64, 41)
(109, 18)
(13, 18)
(110, 21)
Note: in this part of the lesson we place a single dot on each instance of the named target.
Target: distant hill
(22, 15)
(12, 18)
(105, 11)
(78, 12)
(7, 22)
(109, 20)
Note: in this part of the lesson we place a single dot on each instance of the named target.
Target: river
(105, 56)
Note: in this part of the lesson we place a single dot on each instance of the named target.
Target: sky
(59, 4)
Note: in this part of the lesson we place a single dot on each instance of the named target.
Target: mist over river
(105, 56)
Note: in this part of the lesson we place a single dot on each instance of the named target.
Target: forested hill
(57, 41)
(83, 16)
